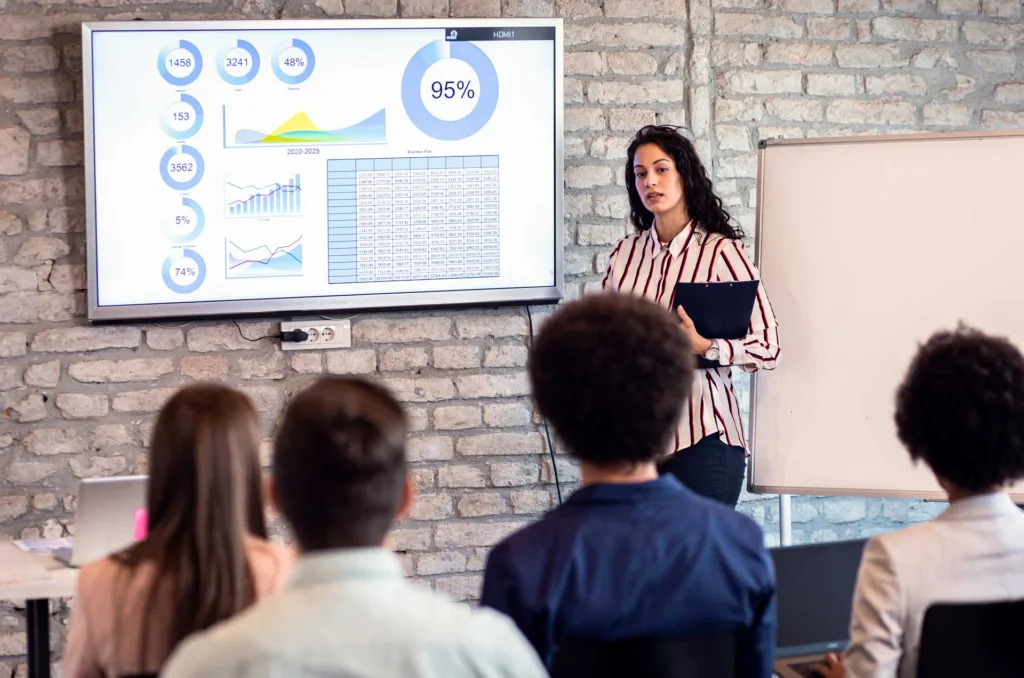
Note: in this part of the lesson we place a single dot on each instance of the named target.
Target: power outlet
(323, 334)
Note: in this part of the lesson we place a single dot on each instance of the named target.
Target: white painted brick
(351, 361)
(733, 138)
(632, 35)
(852, 111)
(264, 398)
(572, 91)
(425, 390)
(568, 471)
(43, 375)
(993, 62)
(931, 57)
(736, 54)
(505, 356)
(587, 176)
(896, 83)
(870, 56)
(205, 368)
(801, 54)
(964, 85)
(606, 147)
(49, 441)
(775, 132)
(424, 8)
(111, 435)
(216, 338)
(401, 330)
(1002, 119)
(599, 234)
(460, 475)
(578, 9)
(433, 506)
(809, 6)
(614, 206)
(578, 262)
(457, 357)
(763, 82)
(406, 539)
(14, 279)
(263, 367)
(164, 339)
(514, 473)
(13, 344)
(459, 588)
(947, 115)
(79, 339)
(795, 110)
(917, 30)
(631, 63)
(990, 33)
(403, 359)
(905, 6)
(578, 205)
(1012, 93)
(457, 417)
(120, 371)
(866, 6)
(493, 385)
(531, 502)
(829, 28)
(307, 363)
(831, 84)
(491, 444)
(959, 6)
(584, 63)
(578, 119)
(418, 418)
(433, 448)
(30, 408)
(629, 119)
(457, 535)
(482, 504)
(423, 478)
(738, 166)
(618, 92)
(489, 326)
(738, 110)
(506, 415)
(142, 401)
(1001, 8)
(629, 9)
(440, 563)
(756, 25)
(82, 406)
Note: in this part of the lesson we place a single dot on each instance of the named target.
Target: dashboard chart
(259, 166)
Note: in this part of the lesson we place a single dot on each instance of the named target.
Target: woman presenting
(683, 234)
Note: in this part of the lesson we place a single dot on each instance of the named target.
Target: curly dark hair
(611, 373)
(703, 204)
(960, 408)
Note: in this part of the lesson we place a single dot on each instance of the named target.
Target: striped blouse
(640, 265)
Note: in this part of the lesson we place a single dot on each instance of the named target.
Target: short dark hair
(339, 464)
(611, 373)
(960, 408)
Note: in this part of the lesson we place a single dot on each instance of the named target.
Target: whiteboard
(867, 246)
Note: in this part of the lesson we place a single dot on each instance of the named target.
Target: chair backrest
(712, 655)
(972, 639)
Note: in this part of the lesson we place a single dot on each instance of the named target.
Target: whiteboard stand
(785, 520)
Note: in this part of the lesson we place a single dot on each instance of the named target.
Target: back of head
(339, 464)
(204, 496)
(612, 373)
(960, 409)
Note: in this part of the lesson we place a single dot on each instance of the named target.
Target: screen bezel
(298, 305)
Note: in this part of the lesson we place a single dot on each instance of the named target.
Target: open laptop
(105, 518)
(814, 595)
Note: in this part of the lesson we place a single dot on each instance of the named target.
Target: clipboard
(719, 310)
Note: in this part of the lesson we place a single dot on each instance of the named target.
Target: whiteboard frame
(762, 146)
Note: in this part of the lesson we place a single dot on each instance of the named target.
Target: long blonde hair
(204, 497)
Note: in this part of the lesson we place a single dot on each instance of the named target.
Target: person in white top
(960, 409)
(340, 480)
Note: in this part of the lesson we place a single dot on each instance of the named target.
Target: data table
(413, 218)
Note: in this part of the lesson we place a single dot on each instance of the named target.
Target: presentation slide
(267, 164)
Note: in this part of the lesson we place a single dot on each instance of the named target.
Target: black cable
(291, 335)
(547, 431)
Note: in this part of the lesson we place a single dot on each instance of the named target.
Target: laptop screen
(814, 595)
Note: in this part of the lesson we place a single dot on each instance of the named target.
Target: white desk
(35, 579)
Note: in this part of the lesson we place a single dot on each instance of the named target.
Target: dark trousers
(710, 468)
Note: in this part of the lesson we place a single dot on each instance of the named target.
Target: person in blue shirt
(630, 554)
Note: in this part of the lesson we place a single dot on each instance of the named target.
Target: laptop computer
(814, 586)
(105, 518)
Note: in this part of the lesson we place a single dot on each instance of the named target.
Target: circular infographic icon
(181, 167)
(185, 223)
(293, 63)
(180, 63)
(239, 64)
(183, 118)
(184, 271)
(461, 104)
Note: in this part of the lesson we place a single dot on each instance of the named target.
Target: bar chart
(276, 199)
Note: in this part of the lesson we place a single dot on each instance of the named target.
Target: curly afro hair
(612, 373)
(960, 408)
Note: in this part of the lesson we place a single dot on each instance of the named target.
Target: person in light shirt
(683, 235)
(960, 409)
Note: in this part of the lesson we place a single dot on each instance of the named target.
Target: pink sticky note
(141, 524)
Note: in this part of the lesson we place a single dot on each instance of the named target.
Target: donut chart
(239, 63)
(180, 63)
(293, 63)
(183, 118)
(185, 223)
(181, 167)
(184, 271)
(487, 101)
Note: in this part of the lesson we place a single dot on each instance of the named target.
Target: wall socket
(322, 334)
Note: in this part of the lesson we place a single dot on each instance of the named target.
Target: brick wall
(78, 402)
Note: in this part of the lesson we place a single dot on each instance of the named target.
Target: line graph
(263, 260)
(272, 199)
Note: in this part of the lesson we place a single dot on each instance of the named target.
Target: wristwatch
(713, 353)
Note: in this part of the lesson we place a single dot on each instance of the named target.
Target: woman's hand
(699, 343)
(833, 668)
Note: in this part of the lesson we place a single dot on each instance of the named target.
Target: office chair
(647, 657)
(972, 639)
